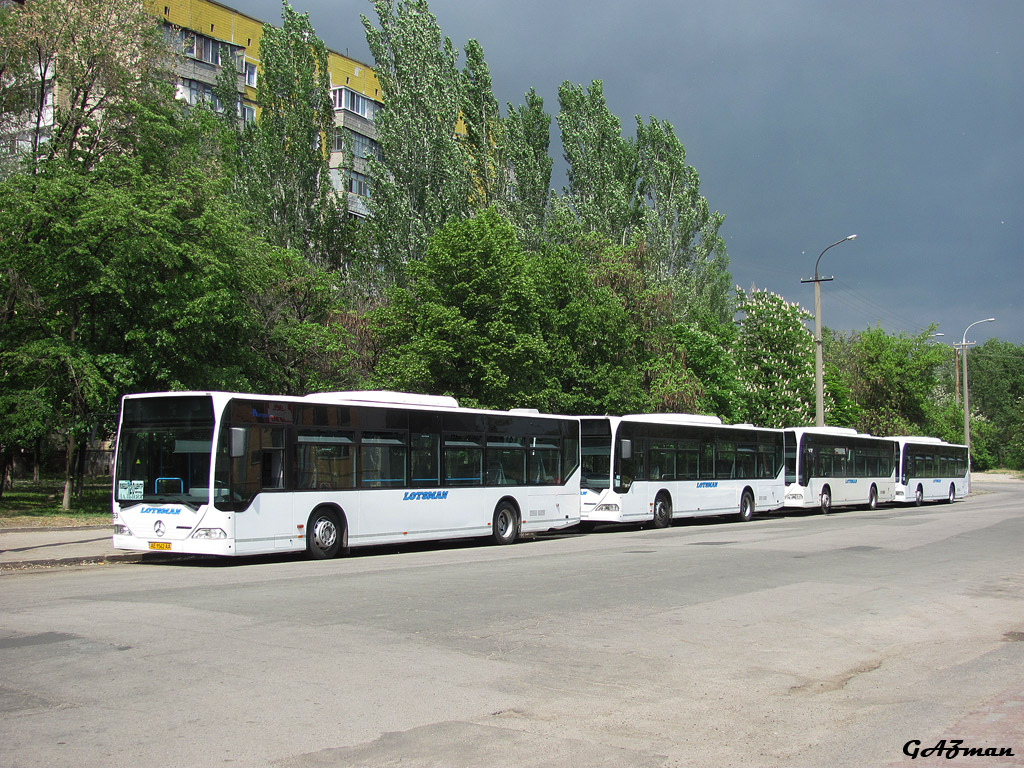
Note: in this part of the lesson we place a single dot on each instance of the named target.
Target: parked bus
(236, 474)
(929, 469)
(833, 466)
(659, 467)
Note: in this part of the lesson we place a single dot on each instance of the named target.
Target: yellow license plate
(159, 545)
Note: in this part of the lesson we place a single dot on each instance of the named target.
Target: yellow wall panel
(224, 23)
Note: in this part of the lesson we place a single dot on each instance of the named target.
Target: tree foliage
(891, 378)
(147, 246)
(70, 72)
(140, 273)
(467, 323)
(996, 379)
(284, 169)
(601, 164)
(527, 136)
(422, 178)
(775, 352)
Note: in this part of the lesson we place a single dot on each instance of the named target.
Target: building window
(346, 98)
(248, 114)
(193, 92)
(364, 146)
(361, 146)
(206, 48)
(358, 183)
(250, 74)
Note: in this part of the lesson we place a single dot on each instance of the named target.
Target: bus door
(260, 477)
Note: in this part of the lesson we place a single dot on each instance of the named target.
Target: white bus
(929, 469)
(828, 467)
(235, 474)
(659, 467)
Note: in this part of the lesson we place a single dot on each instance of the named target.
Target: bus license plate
(159, 545)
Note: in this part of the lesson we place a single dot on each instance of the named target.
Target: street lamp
(967, 407)
(819, 381)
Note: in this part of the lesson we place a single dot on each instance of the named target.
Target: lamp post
(819, 381)
(967, 398)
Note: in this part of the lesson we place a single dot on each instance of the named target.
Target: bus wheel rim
(324, 533)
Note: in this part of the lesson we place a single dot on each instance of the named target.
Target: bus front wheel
(325, 535)
(826, 500)
(952, 494)
(505, 526)
(662, 511)
(919, 496)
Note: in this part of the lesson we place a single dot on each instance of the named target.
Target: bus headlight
(606, 508)
(209, 533)
(121, 530)
(794, 497)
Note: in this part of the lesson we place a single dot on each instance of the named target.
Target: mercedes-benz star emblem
(159, 528)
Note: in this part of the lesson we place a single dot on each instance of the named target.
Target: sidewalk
(40, 547)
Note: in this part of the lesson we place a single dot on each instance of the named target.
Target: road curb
(64, 562)
(44, 528)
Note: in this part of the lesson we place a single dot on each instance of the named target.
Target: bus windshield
(597, 463)
(790, 462)
(163, 451)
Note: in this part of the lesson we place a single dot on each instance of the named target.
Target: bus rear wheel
(324, 535)
(873, 498)
(952, 494)
(826, 500)
(505, 525)
(919, 496)
(746, 507)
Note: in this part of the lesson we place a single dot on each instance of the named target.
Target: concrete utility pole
(819, 377)
(967, 399)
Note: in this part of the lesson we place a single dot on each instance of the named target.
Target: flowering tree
(70, 74)
(775, 353)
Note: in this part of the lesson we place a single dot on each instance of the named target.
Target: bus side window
(272, 458)
(426, 458)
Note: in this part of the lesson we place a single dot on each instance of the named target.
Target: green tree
(892, 380)
(140, 273)
(596, 350)
(775, 353)
(708, 355)
(527, 136)
(71, 70)
(466, 324)
(481, 120)
(996, 379)
(601, 164)
(679, 228)
(284, 170)
(422, 178)
(841, 406)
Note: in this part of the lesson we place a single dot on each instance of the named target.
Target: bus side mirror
(237, 441)
(626, 449)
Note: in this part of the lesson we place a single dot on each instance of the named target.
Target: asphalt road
(793, 640)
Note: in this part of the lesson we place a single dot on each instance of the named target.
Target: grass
(37, 505)
(1014, 473)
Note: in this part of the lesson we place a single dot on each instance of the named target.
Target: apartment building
(204, 31)
(204, 28)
